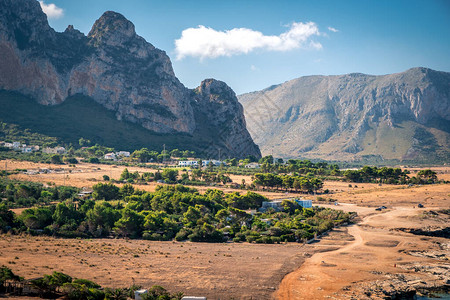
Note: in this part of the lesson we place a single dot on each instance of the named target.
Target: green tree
(56, 159)
(170, 175)
(126, 190)
(130, 224)
(105, 191)
(101, 218)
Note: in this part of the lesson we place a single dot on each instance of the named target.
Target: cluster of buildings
(117, 155)
(17, 146)
(205, 163)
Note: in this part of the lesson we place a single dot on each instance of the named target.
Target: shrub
(182, 235)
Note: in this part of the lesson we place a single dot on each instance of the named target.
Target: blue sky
(282, 40)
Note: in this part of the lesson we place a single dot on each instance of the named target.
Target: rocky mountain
(119, 70)
(403, 116)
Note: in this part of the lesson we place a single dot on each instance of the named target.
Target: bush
(71, 160)
(94, 160)
(153, 236)
(182, 235)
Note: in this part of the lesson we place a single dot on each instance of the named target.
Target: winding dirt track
(375, 249)
(313, 270)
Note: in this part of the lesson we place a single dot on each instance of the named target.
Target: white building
(216, 163)
(123, 153)
(27, 150)
(187, 163)
(60, 150)
(252, 165)
(110, 156)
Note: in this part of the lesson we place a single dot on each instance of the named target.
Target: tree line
(172, 212)
(390, 176)
(288, 182)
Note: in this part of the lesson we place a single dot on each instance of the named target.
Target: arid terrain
(397, 248)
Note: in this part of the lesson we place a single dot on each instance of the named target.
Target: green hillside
(80, 116)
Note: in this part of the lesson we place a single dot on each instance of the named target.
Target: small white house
(27, 150)
(16, 145)
(252, 165)
(216, 163)
(123, 153)
(60, 150)
(110, 156)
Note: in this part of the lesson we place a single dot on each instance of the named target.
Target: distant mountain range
(123, 73)
(403, 116)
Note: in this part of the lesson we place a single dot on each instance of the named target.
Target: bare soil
(336, 266)
(224, 271)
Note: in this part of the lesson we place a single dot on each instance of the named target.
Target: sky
(252, 45)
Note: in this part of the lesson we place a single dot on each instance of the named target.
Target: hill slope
(404, 116)
(119, 70)
(79, 116)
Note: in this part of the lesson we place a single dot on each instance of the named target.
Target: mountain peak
(112, 29)
(402, 116)
(215, 87)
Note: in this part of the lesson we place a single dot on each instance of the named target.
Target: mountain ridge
(344, 117)
(115, 67)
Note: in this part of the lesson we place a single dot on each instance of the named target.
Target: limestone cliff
(112, 65)
(404, 116)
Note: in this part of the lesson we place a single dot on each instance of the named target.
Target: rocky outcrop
(112, 65)
(218, 110)
(404, 116)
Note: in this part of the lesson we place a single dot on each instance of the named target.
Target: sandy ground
(337, 266)
(375, 251)
(218, 271)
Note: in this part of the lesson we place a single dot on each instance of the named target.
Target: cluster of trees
(288, 182)
(25, 194)
(269, 164)
(59, 285)
(207, 176)
(144, 155)
(172, 212)
(168, 175)
(389, 175)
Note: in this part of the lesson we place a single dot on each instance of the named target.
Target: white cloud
(51, 10)
(332, 29)
(254, 68)
(205, 42)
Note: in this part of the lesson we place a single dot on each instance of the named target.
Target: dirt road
(374, 251)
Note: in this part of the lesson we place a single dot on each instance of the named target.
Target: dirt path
(313, 269)
(375, 250)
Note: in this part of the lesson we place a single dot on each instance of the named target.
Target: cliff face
(403, 116)
(112, 65)
(218, 113)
